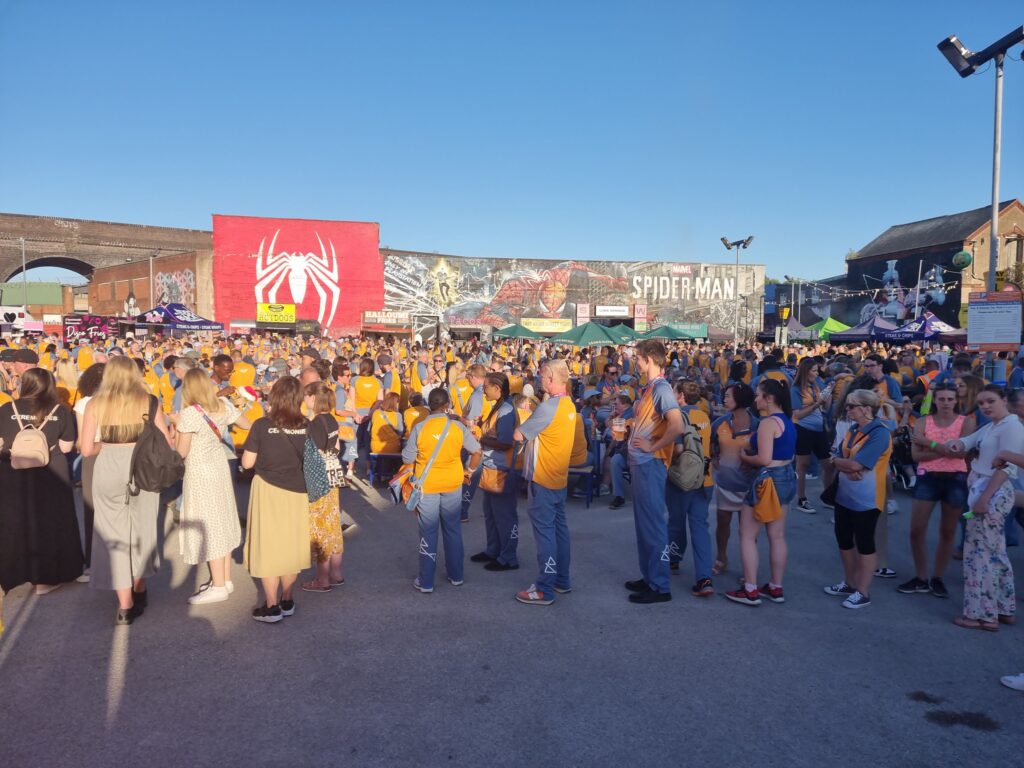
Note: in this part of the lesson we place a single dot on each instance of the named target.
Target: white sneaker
(891, 507)
(229, 586)
(84, 578)
(1013, 681)
(209, 595)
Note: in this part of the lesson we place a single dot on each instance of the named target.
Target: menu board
(994, 321)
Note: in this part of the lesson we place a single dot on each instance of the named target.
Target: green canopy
(516, 331)
(623, 331)
(665, 332)
(587, 335)
(827, 327)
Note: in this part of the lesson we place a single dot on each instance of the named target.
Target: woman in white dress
(209, 530)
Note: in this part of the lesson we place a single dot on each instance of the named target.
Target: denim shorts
(785, 484)
(948, 487)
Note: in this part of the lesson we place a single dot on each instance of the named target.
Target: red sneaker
(775, 595)
(742, 596)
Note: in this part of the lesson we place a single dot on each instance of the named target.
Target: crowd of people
(668, 428)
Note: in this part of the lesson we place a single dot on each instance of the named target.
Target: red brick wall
(110, 285)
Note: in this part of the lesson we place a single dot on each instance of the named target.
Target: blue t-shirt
(815, 420)
(862, 495)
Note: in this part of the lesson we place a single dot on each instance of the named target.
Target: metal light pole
(966, 63)
(152, 300)
(997, 142)
(737, 244)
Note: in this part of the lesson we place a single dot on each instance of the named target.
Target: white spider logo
(321, 271)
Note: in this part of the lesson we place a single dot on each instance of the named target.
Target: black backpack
(155, 465)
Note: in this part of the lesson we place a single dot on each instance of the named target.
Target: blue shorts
(948, 487)
(785, 484)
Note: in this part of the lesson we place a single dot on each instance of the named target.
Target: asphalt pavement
(376, 674)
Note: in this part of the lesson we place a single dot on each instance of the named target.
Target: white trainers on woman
(209, 595)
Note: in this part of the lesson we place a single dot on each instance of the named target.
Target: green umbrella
(665, 332)
(516, 331)
(623, 331)
(587, 335)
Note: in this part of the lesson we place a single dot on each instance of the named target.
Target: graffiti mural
(178, 287)
(467, 292)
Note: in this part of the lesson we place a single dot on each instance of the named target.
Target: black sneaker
(617, 503)
(639, 585)
(914, 586)
(287, 607)
(124, 618)
(842, 589)
(481, 557)
(805, 506)
(270, 615)
(885, 573)
(494, 565)
(649, 597)
(937, 588)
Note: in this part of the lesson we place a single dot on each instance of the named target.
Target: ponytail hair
(778, 393)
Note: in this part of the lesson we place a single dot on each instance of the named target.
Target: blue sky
(602, 130)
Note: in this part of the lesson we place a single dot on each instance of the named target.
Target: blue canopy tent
(176, 317)
(926, 327)
(872, 328)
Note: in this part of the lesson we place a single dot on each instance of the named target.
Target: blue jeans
(350, 452)
(618, 469)
(469, 491)
(784, 478)
(443, 508)
(689, 507)
(501, 521)
(1015, 518)
(551, 533)
(650, 517)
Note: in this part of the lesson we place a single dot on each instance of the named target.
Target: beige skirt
(276, 531)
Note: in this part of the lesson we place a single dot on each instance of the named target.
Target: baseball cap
(309, 352)
(26, 356)
(247, 393)
(591, 393)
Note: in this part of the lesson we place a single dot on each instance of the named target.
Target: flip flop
(312, 586)
(965, 623)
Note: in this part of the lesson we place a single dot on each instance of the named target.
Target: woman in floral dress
(326, 543)
(988, 576)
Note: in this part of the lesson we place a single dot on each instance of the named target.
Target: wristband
(932, 445)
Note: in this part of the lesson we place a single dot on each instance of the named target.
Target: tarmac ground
(376, 674)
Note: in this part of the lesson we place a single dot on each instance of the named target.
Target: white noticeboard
(994, 321)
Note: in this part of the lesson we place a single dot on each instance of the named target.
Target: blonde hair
(197, 389)
(66, 373)
(456, 372)
(865, 397)
(121, 401)
(558, 369)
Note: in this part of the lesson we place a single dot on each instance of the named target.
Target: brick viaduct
(82, 246)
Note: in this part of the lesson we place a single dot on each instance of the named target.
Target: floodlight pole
(736, 289)
(993, 246)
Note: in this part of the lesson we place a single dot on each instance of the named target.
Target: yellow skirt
(276, 531)
(325, 527)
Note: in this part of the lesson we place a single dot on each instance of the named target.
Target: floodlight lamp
(725, 242)
(747, 242)
(958, 55)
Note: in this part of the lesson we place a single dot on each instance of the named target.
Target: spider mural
(320, 270)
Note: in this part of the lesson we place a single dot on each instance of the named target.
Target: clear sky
(594, 129)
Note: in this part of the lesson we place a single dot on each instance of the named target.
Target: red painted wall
(283, 261)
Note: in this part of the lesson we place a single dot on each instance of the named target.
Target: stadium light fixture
(737, 244)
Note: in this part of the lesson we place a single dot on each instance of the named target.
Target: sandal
(719, 567)
(965, 623)
(337, 583)
(312, 586)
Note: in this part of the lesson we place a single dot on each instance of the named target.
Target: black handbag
(828, 496)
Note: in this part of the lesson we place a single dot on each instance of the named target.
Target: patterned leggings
(988, 575)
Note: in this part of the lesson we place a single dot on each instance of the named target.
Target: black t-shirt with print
(323, 429)
(60, 426)
(279, 454)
